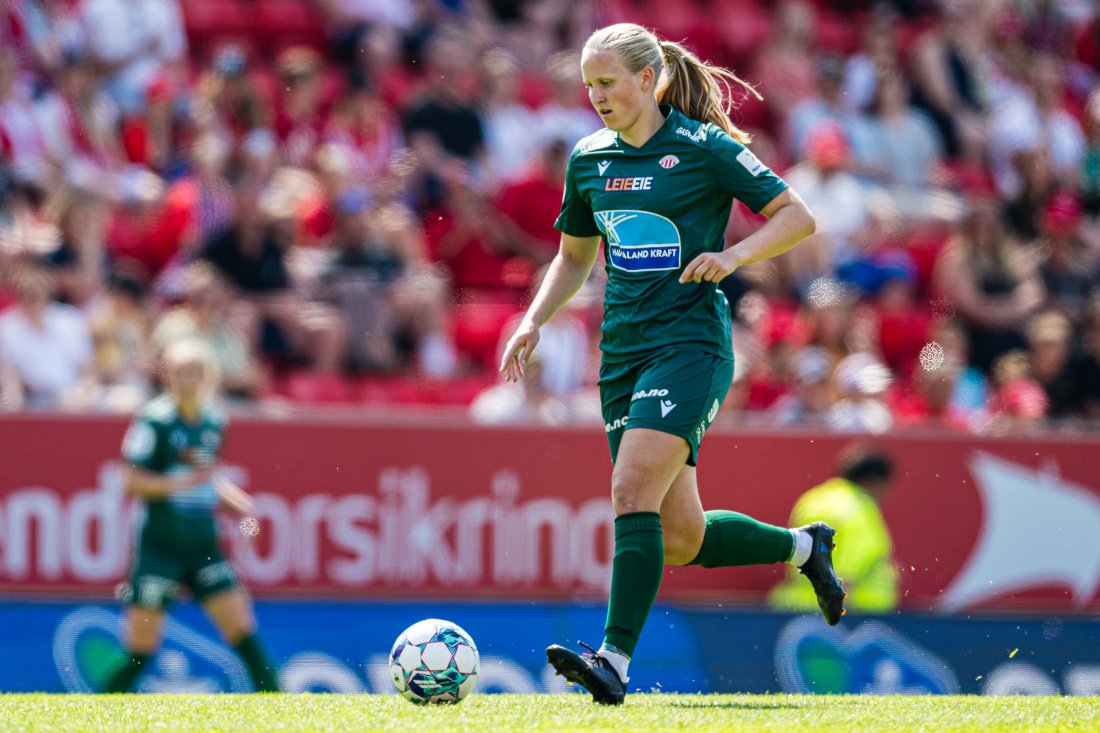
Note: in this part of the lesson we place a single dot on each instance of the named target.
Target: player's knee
(629, 495)
(681, 544)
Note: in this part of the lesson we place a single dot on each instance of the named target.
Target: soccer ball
(434, 661)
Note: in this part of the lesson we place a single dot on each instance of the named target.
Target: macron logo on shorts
(667, 406)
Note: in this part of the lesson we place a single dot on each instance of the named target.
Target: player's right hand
(199, 476)
(518, 351)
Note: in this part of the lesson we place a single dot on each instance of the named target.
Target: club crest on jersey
(602, 165)
(668, 161)
(640, 241)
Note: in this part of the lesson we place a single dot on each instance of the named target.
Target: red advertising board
(423, 507)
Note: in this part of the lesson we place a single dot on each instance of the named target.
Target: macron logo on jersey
(643, 183)
(602, 165)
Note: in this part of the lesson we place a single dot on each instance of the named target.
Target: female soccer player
(657, 186)
(172, 449)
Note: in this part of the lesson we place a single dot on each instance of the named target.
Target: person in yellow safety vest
(863, 556)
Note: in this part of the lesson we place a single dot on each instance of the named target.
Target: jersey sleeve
(741, 174)
(139, 447)
(576, 218)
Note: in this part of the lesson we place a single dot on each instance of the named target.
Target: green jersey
(161, 441)
(657, 208)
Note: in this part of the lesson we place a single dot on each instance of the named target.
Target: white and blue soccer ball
(434, 661)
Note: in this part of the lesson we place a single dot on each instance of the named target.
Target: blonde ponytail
(700, 90)
(696, 88)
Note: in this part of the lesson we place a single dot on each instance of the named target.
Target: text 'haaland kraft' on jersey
(658, 207)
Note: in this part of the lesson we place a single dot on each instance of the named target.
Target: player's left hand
(710, 267)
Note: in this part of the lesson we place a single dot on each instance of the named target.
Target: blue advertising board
(343, 647)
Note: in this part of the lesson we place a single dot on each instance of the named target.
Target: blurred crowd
(351, 201)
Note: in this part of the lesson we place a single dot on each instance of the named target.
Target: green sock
(264, 676)
(122, 679)
(735, 539)
(635, 577)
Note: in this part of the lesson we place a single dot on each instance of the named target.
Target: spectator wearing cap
(1069, 267)
(989, 282)
(812, 397)
(851, 503)
(392, 302)
(904, 320)
(206, 314)
(839, 203)
(1061, 366)
(45, 348)
(862, 382)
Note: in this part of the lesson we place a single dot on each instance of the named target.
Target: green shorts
(677, 392)
(159, 573)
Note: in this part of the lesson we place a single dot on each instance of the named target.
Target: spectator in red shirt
(530, 204)
(300, 122)
(465, 236)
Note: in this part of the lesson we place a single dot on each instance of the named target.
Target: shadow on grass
(747, 704)
(733, 705)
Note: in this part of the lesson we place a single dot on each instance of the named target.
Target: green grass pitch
(499, 713)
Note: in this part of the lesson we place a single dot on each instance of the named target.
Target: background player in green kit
(172, 449)
(657, 187)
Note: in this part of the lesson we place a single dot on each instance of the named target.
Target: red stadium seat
(418, 391)
(837, 33)
(327, 389)
(478, 329)
(212, 23)
(287, 23)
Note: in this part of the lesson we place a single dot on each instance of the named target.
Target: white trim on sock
(618, 661)
(803, 546)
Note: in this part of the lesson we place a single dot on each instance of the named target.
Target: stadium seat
(286, 23)
(212, 23)
(478, 329)
(327, 389)
(834, 32)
